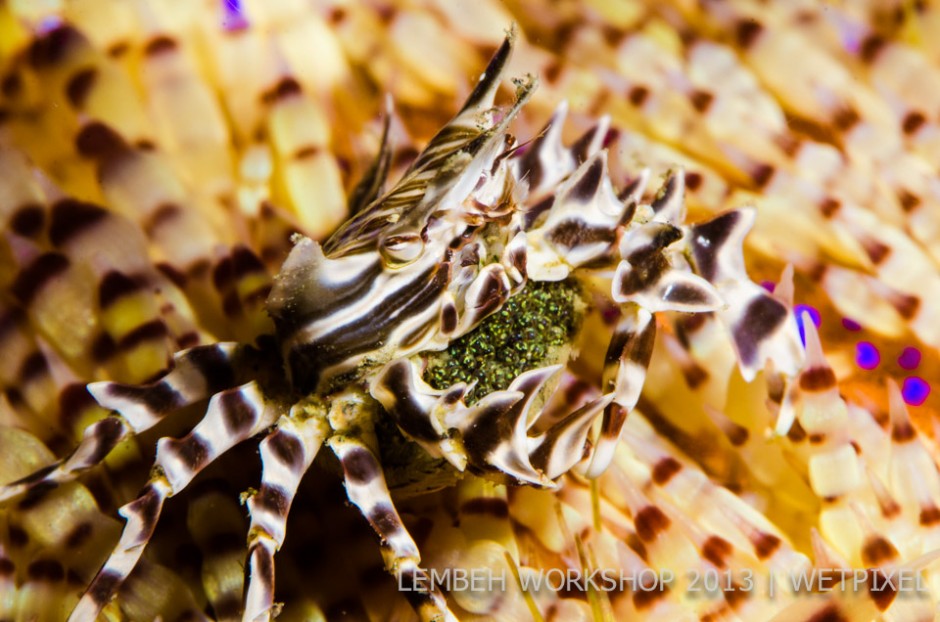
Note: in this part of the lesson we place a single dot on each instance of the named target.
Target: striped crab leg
(197, 373)
(351, 418)
(286, 454)
(231, 417)
(628, 357)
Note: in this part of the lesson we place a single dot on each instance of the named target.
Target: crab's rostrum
(404, 328)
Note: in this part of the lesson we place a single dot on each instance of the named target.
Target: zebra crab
(390, 332)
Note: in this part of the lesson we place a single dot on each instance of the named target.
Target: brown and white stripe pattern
(366, 488)
(232, 416)
(286, 454)
(761, 326)
(198, 373)
(628, 356)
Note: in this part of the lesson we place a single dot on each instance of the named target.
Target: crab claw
(495, 429)
(646, 276)
(418, 409)
(760, 324)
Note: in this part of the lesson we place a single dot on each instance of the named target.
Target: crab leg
(197, 373)
(232, 416)
(286, 454)
(351, 420)
(562, 446)
(628, 357)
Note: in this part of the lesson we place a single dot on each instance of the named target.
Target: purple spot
(48, 24)
(910, 358)
(867, 355)
(852, 325)
(799, 310)
(233, 15)
(915, 390)
(770, 286)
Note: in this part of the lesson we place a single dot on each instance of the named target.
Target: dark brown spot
(737, 434)
(644, 598)
(877, 551)
(912, 122)
(46, 570)
(360, 466)
(747, 32)
(108, 432)
(761, 318)
(193, 451)
(665, 469)
(116, 285)
(585, 188)
(694, 375)
(223, 274)
(104, 586)
(693, 180)
(28, 220)
(285, 88)
(232, 304)
(638, 95)
(765, 544)
(845, 119)
(272, 499)
(160, 216)
(177, 277)
(237, 412)
(32, 367)
(118, 49)
(103, 347)
(490, 506)
(881, 588)
(716, 550)
(384, 520)
(32, 279)
(762, 174)
(876, 251)
(870, 47)
(287, 449)
(80, 85)
(7, 568)
(245, 262)
(72, 218)
(701, 100)
(307, 151)
(817, 379)
(907, 305)
(18, 536)
(903, 431)
(552, 71)
(74, 400)
(153, 330)
(214, 366)
(99, 142)
(908, 200)
(829, 207)
(650, 522)
(159, 45)
(929, 515)
(51, 48)
(79, 535)
(816, 439)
